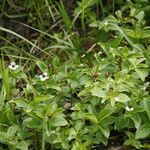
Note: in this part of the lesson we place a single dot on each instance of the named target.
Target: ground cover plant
(74, 74)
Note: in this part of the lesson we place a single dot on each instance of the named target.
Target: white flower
(13, 66)
(44, 76)
(129, 108)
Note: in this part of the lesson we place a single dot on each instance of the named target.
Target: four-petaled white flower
(129, 108)
(44, 76)
(13, 66)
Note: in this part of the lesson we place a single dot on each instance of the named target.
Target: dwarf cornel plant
(74, 75)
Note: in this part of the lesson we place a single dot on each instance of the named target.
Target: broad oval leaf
(97, 91)
(12, 130)
(105, 130)
(122, 98)
(106, 112)
(136, 119)
(143, 131)
(60, 121)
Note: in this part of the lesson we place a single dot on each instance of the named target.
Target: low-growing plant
(81, 87)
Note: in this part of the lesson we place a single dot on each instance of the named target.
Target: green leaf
(72, 134)
(122, 98)
(136, 119)
(53, 86)
(98, 24)
(142, 73)
(21, 103)
(42, 66)
(52, 108)
(3, 137)
(60, 121)
(40, 98)
(2, 96)
(146, 103)
(10, 116)
(12, 130)
(105, 130)
(64, 15)
(22, 145)
(33, 123)
(140, 16)
(145, 34)
(21, 75)
(97, 91)
(106, 112)
(56, 62)
(90, 117)
(24, 39)
(6, 81)
(134, 143)
(121, 122)
(143, 131)
(101, 138)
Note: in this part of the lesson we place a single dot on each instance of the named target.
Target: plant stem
(43, 140)
(102, 9)
(113, 6)
(82, 16)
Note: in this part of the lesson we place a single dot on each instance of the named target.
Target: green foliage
(81, 74)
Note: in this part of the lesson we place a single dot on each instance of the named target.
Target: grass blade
(21, 37)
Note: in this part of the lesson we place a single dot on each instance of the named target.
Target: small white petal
(47, 77)
(40, 76)
(13, 63)
(10, 66)
(43, 79)
(45, 73)
(16, 66)
(129, 109)
(13, 67)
